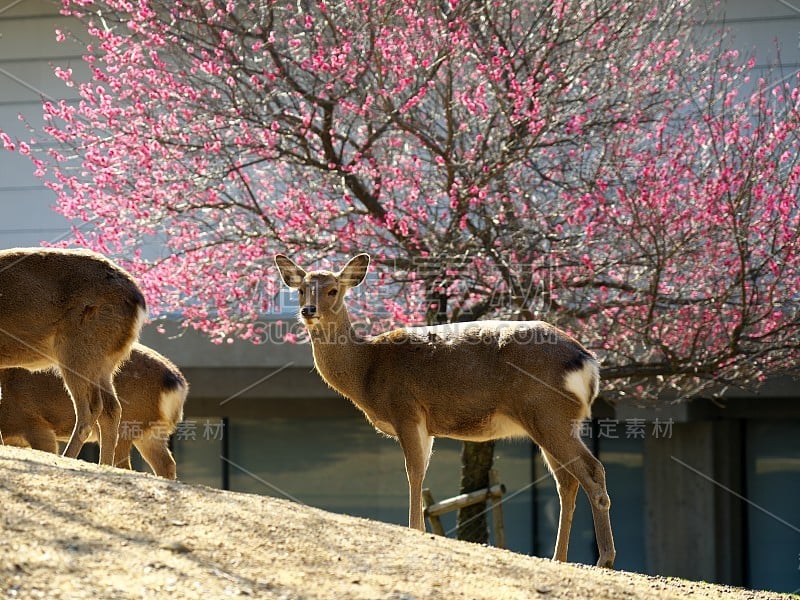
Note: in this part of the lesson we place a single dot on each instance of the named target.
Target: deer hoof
(606, 562)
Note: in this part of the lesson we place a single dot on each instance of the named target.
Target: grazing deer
(78, 313)
(475, 381)
(36, 410)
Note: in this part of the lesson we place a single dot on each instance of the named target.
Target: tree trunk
(476, 460)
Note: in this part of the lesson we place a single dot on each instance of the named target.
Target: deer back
(54, 299)
(461, 378)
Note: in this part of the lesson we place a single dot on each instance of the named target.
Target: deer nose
(308, 311)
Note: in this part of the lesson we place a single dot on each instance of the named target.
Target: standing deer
(474, 381)
(36, 410)
(76, 312)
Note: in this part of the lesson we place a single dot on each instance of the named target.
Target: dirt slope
(76, 530)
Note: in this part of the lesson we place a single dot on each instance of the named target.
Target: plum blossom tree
(590, 163)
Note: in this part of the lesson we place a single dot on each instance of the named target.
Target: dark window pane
(197, 448)
(773, 523)
(622, 458)
(342, 465)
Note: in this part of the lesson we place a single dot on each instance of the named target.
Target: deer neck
(340, 354)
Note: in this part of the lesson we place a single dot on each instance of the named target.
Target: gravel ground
(78, 530)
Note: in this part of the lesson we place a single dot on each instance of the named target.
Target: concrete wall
(28, 55)
(693, 511)
(272, 379)
(762, 27)
(678, 500)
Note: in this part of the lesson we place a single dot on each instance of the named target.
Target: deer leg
(108, 420)
(155, 450)
(571, 454)
(417, 445)
(576, 458)
(43, 439)
(87, 406)
(567, 487)
(601, 506)
(122, 453)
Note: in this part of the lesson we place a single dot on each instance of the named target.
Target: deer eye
(333, 292)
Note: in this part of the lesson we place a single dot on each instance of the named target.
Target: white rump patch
(170, 405)
(141, 318)
(583, 383)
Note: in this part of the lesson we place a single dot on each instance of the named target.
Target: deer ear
(355, 271)
(291, 274)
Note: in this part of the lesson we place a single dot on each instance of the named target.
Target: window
(198, 447)
(342, 465)
(773, 488)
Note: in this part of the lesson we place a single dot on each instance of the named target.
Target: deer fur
(76, 312)
(475, 381)
(36, 410)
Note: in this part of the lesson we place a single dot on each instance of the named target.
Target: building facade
(698, 490)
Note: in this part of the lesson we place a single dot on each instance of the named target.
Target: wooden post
(494, 493)
(497, 511)
(435, 521)
(456, 502)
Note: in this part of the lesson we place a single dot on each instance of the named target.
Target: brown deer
(36, 410)
(78, 313)
(476, 381)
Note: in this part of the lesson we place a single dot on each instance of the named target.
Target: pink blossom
(600, 155)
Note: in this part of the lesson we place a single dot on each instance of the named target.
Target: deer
(76, 312)
(475, 381)
(36, 411)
